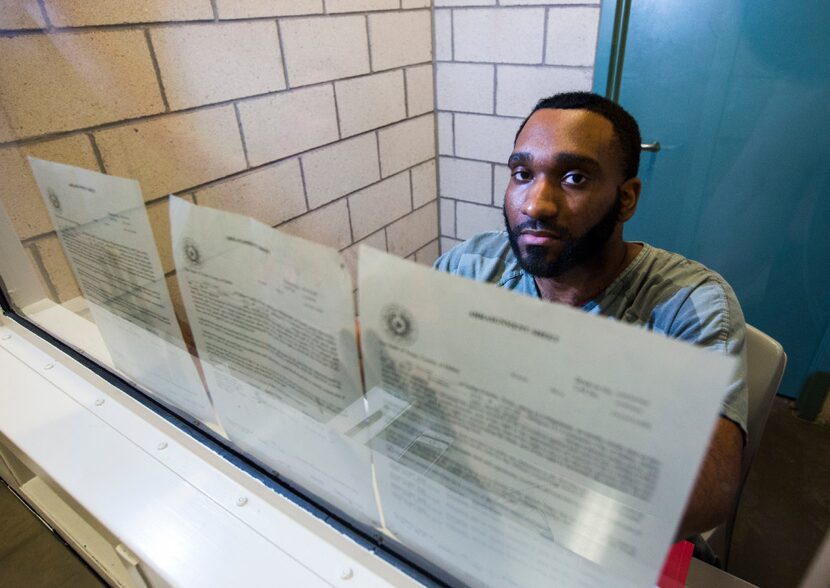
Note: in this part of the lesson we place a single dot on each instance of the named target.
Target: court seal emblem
(192, 253)
(53, 199)
(399, 324)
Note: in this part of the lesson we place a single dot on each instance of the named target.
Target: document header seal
(191, 251)
(399, 324)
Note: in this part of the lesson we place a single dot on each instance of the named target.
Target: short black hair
(625, 127)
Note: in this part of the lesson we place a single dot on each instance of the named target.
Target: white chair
(765, 362)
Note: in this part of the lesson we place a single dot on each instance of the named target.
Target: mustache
(536, 225)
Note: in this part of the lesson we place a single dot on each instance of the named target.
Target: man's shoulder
(667, 271)
(484, 257)
(686, 300)
(683, 297)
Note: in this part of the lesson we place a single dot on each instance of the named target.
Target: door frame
(610, 53)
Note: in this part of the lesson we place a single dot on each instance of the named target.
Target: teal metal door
(738, 95)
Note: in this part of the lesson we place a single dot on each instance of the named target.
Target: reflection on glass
(519, 457)
(508, 461)
(273, 321)
(104, 230)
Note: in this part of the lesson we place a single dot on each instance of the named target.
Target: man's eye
(574, 179)
(521, 175)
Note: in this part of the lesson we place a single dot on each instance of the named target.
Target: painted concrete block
(413, 231)
(428, 253)
(520, 87)
(572, 35)
(83, 13)
(501, 177)
(488, 138)
(400, 38)
(424, 188)
(447, 243)
(466, 87)
(19, 193)
(339, 169)
(271, 194)
(344, 53)
(207, 63)
(229, 9)
(406, 144)
(328, 225)
(420, 90)
(544, 2)
(334, 6)
(287, 123)
(445, 133)
(443, 34)
(369, 102)
(376, 206)
(465, 2)
(175, 152)
(75, 80)
(20, 15)
(499, 35)
(447, 208)
(462, 179)
(474, 218)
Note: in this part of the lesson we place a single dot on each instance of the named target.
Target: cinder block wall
(314, 116)
(494, 59)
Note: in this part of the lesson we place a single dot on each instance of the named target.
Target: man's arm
(717, 481)
(711, 317)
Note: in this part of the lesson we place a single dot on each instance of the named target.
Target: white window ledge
(173, 511)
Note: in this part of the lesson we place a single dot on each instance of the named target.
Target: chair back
(765, 363)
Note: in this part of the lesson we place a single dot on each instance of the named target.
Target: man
(573, 184)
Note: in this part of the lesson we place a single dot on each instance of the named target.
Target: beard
(575, 251)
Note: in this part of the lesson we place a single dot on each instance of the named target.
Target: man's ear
(629, 196)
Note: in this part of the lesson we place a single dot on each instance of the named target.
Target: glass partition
(220, 202)
(117, 120)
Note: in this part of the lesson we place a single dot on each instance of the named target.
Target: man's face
(562, 203)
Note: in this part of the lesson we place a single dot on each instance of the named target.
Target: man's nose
(540, 200)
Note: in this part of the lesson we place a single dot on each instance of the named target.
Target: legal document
(534, 444)
(273, 320)
(102, 225)
(508, 440)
